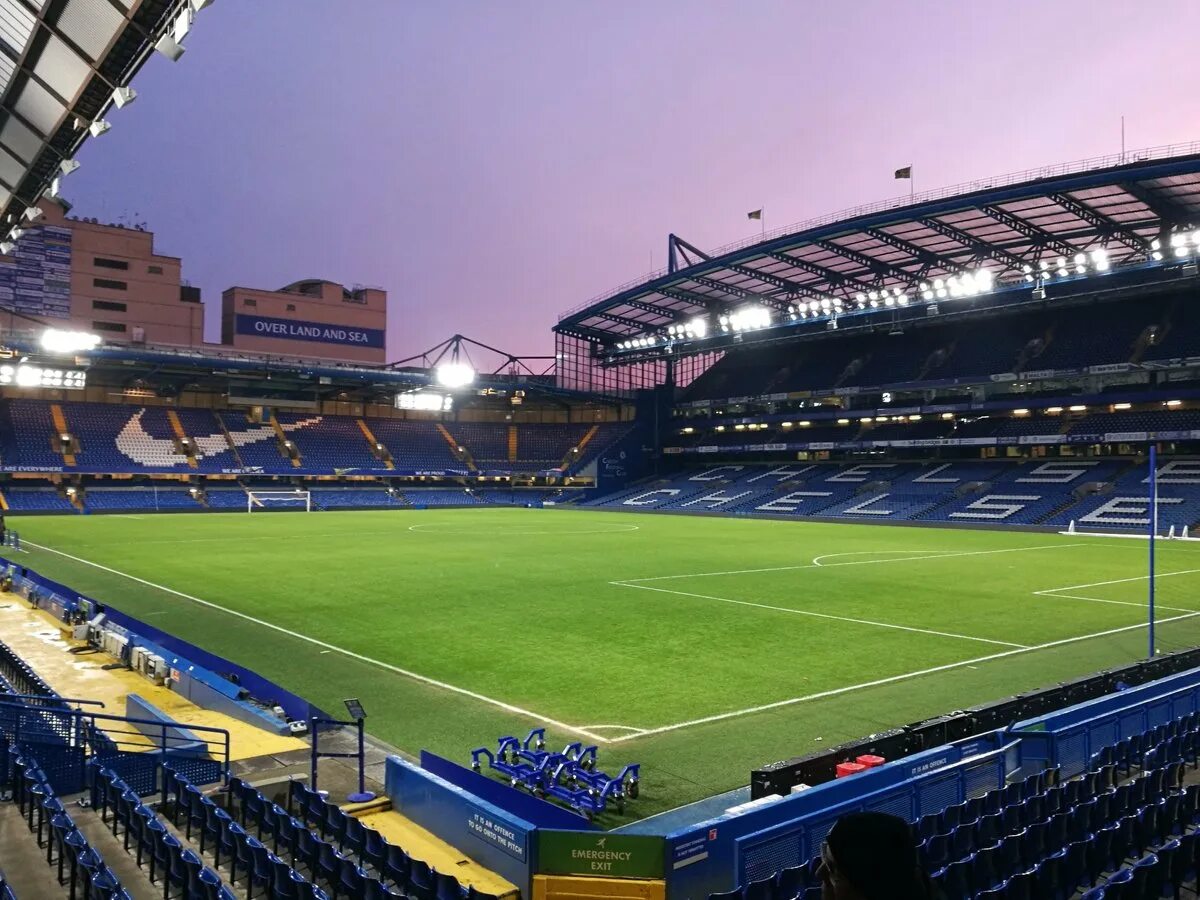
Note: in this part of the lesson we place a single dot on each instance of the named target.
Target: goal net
(260, 500)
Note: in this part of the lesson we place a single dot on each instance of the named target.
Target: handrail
(55, 697)
(1090, 164)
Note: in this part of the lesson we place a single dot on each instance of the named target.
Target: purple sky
(494, 163)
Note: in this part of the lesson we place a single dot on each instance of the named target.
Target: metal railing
(1091, 164)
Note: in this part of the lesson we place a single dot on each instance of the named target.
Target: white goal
(281, 499)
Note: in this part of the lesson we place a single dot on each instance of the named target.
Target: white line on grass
(882, 681)
(507, 707)
(926, 554)
(1055, 595)
(818, 615)
(1071, 587)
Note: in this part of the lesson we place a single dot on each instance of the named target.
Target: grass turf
(524, 606)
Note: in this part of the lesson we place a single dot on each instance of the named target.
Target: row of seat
(1062, 831)
(77, 865)
(1160, 873)
(369, 849)
(147, 839)
(246, 856)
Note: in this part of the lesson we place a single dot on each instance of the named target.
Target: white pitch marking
(1053, 594)
(1072, 587)
(881, 681)
(630, 728)
(860, 562)
(507, 707)
(509, 532)
(817, 559)
(817, 615)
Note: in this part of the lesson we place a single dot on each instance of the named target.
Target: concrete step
(23, 862)
(124, 865)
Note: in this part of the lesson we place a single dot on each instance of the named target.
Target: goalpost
(286, 499)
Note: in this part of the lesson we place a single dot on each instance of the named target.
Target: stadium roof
(1121, 203)
(60, 63)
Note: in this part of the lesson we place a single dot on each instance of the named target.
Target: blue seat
(735, 894)
(354, 836)
(1023, 885)
(448, 888)
(1120, 886)
(374, 889)
(936, 851)
(794, 879)
(956, 879)
(286, 882)
(329, 863)
(351, 880)
(1147, 876)
(262, 868)
(374, 853)
(398, 866)
(983, 868)
(422, 883)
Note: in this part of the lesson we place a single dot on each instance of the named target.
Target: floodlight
(699, 326)
(861, 299)
(1117, 406)
(454, 374)
(843, 421)
(1196, 238)
(16, 234)
(32, 213)
(1078, 408)
(55, 340)
(7, 247)
(170, 48)
(123, 96)
(1054, 409)
(1099, 258)
(99, 127)
(890, 300)
(67, 166)
(1020, 412)
(814, 305)
(902, 299)
(1173, 402)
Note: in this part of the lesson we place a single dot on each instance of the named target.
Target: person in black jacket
(872, 856)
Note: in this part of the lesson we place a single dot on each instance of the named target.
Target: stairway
(460, 452)
(512, 443)
(287, 447)
(61, 429)
(3, 502)
(122, 864)
(379, 451)
(23, 863)
(229, 440)
(573, 455)
(182, 443)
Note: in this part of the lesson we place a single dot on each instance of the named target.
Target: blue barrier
(541, 813)
(1068, 737)
(737, 848)
(497, 839)
(143, 714)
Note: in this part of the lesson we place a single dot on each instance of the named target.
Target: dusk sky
(493, 163)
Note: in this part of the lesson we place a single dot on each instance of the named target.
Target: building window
(355, 298)
(291, 307)
(154, 270)
(249, 301)
(101, 262)
(110, 284)
(110, 305)
(108, 326)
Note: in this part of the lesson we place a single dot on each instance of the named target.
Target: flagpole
(762, 220)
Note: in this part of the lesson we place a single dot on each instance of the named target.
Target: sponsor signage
(296, 330)
(599, 855)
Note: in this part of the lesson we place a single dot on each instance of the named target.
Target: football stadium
(893, 511)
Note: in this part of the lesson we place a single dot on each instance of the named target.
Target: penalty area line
(423, 679)
(835, 692)
(925, 555)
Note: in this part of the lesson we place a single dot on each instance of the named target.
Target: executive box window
(102, 263)
(291, 307)
(108, 326)
(110, 305)
(154, 270)
(110, 284)
(249, 301)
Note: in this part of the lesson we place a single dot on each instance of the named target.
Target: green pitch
(700, 647)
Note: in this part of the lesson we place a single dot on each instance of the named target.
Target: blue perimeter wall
(488, 834)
